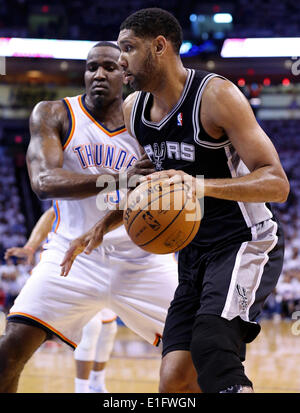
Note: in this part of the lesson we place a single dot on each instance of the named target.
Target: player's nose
(100, 73)
(122, 62)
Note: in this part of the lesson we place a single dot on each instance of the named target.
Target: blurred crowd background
(268, 82)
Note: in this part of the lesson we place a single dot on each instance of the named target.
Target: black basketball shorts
(229, 279)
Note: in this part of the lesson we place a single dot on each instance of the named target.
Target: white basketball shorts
(136, 285)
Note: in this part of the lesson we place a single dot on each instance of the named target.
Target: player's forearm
(64, 184)
(261, 185)
(41, 230)
(112, 220)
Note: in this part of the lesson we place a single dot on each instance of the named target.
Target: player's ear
(160, 45)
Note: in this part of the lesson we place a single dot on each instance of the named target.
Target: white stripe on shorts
(248, 270)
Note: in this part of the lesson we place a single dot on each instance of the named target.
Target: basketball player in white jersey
(96, 345)
(73, 142)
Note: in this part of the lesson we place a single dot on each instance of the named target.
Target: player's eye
(92, 68)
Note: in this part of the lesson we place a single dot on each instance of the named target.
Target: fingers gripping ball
(161, 219)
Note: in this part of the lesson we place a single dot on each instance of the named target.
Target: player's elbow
(282, 190)
(276, 184)
(41, 187)
(42, 195)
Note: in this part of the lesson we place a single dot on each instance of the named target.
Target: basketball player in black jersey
(198, 123)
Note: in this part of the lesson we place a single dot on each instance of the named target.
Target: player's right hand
(20, 252)
(143, 166)
(86, 243)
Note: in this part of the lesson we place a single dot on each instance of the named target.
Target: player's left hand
(20, 252)
(173, 176)
(86, 243)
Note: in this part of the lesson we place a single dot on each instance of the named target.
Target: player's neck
(169, 89)
(111, 115)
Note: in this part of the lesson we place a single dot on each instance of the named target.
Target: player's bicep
(45, 149)
(234, 116)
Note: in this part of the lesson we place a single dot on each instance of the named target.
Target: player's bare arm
(232, 115)
(37, 236)
(48, 122)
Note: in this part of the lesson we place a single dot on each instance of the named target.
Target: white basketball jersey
(91, 148)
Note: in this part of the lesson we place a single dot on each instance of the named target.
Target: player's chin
(99, 98)
(135, 84)
(99, 93)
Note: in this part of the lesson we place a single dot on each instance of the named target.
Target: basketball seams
(158, 235)
(143, 208)
(183, 243)
(163, 231)
(191, 233)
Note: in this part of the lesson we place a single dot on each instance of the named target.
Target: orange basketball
(161, 219)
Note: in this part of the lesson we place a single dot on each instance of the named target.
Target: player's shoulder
(129, 101)
(48, 105)
(219, 88)
(225, 98)
(127, 109)
(49, 110)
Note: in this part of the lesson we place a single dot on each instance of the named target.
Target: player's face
(136, 60)
(103, 75)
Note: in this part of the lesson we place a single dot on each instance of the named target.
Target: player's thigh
(241, 275)
(62, 305)
(177, 333)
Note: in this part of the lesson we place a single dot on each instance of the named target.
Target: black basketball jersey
(180, 142)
